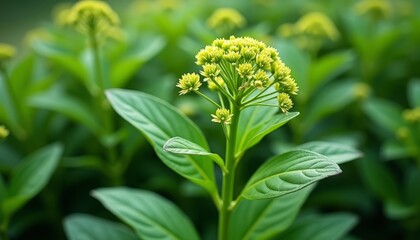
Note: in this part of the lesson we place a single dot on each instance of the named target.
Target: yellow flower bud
(226, 18)
(7, 51)
(285, 103)
(189, 82)
(222, 116)
(4, 132)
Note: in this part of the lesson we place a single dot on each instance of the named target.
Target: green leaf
(384, 113)
(8, 111)
(339, 153)
(31, 175)
(65, 59)
(329, 66)
(150, 215)
(124, 68)
(3, 188)
(392, 149)
(378, 178)
(86, 227)
(414, 93)
(180, 145)
(159, 121)
(263, 219)
(58, 101)
(257, 122)
(330, 100)
(320, 227)
(287, 173)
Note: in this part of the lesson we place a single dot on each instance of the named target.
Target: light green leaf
(150, 215)
(86, 227)
(180, 145)
(329, 66)
(393, 149)
(384, 113)
(58, 101)
(31, 175)
(263, 219)
(337, 152)
(320, 227)
(414, 93)
(159, 121)
(287, 173)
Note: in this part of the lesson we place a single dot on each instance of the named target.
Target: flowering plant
(251, 83)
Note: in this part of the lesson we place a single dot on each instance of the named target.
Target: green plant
(251, 83)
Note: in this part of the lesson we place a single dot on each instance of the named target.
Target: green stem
(105, 112)
(228, 177)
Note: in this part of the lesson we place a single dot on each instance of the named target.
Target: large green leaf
(328, 67)
(178, 145)
(337, 152)
(414, 93)
(150, 215)
(320, 227)
(266, 218)
(31, 175)
(159, 122)
(86, 227)
(287, 173)
(58, 101)
(384, 113)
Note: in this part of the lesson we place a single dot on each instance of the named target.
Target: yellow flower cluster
(226, 18)
(238, 67)
(313, 24)
(412, 115)
(222, 115)
(6, 51)
(91, 16)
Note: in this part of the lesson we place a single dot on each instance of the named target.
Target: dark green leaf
(159, 121)
(86, 227)
(339, 153)
(321, 227)
(31, 175)
(124, 68)
(384, 113)
(266, 218)
(150, 215)
(287, 173)
(58, 101)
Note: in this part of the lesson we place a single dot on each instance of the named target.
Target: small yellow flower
(92, 16)
(189, 82)
(226, 18)
(361, 91)
(222, 116)
(245, 70)
(285, 103)
(4, 132)
(210, 71)
(6, 51)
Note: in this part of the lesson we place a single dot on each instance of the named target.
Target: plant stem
(229, 177)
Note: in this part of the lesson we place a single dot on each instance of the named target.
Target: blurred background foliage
(356, 62)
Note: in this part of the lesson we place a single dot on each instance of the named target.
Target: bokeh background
(356, 62)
